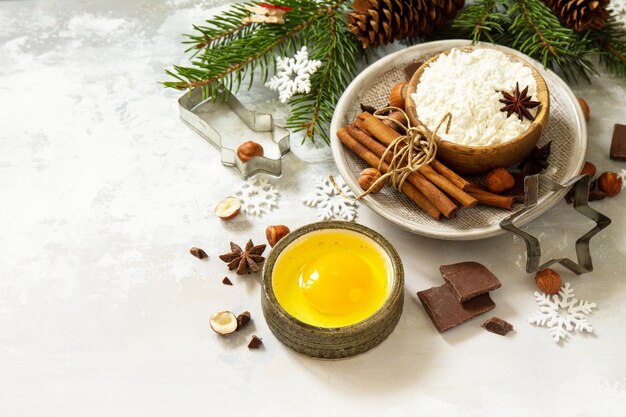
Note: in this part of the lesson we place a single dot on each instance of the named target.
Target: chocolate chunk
(618, 143)
(498, 326)
(198, 253)
(446, 312)
(410, 69)
(469, 279)
(242, 320)
(255, 342)
(226, 281)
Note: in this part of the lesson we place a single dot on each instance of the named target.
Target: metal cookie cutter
(531, 190)
(221, 135)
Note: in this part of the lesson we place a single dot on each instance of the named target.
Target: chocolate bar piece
(446, 312)
(498, 326)
(469, 279)
(618, 143)
(411, 68)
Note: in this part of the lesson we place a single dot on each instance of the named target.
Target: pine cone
(379, 22)
(580, 15)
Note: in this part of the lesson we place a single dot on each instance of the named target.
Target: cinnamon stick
(387, 135)
(451, 189)
(378, 129)
(452, 176)
(490, 199)
(373, 160)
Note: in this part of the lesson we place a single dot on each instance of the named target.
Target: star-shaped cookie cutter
(581, 196)
(220, 136)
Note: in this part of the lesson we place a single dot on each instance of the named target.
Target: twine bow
(410, 151)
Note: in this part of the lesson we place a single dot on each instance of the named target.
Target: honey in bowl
(332, 278)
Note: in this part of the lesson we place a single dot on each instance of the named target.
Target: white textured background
(103, 312)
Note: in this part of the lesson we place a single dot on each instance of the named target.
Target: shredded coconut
(468, 85)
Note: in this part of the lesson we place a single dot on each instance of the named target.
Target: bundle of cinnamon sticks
(434, 187)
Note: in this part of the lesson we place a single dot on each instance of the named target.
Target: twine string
(410, 152)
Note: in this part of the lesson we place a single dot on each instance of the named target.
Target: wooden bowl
(334, 342)
(481, 159)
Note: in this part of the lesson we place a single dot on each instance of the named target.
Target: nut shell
(500, 180)
(368, 177)
(223, 322)
(397, 96)
(610, 183)
(227, 208)
(548, 281)
(248, 150)
(275, 233)
(585, 108)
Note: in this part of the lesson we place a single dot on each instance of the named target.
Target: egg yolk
(336, 282)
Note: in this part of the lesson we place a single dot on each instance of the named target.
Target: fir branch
(536, 32)
(610, 43)
(479, 20)
(336, 48)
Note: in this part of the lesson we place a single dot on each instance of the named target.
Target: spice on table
(255, 342)
(227, 281)
(618, 143)
(498, 326)
(198, 253)
(246, 260)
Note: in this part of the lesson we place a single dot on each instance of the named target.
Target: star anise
(247, 260)
(518, 103)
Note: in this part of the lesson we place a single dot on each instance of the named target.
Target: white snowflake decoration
(329, 203)
(293, 75)
(619, 9)
(258, 197)
(622, 174)
(561, 313)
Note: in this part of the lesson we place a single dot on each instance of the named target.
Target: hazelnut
(397, 116)
(610, 183)
(248, 150)
(397, 96)
(500, 180)
(368, 177)
(275, 233)
(585, 108)
(548, 281)
(223, 322)
(588, 168)
(228, 208)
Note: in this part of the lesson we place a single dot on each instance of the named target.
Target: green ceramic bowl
(336, 342)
